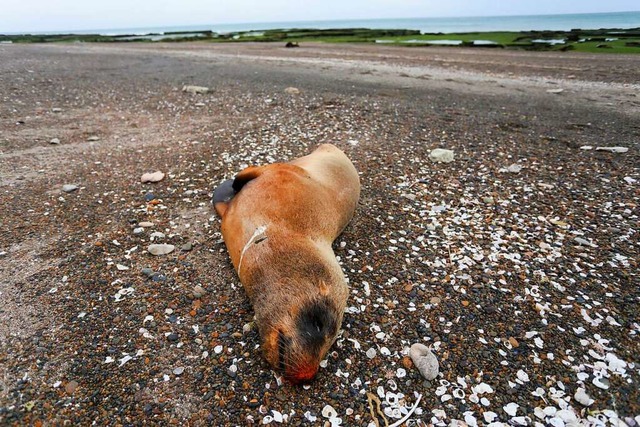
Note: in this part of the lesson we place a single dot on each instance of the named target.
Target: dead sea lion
(278, 222)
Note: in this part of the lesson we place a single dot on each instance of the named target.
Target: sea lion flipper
(222, 195)
(246, 175)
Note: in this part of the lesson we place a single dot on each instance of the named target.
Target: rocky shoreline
(515, 263)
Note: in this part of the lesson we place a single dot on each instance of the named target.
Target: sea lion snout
(296, 344)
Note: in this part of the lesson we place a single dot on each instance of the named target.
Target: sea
(564, 22)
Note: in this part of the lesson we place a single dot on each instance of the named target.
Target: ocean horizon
(561, 22)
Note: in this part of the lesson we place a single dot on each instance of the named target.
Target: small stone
(157, 235)
(440, 155)
(584, 242)
(514, 342)
(145, 224)
(121, 267)
(425, 361)
(138, 230)
(371, 353)
(160, 249)
(56, 110)
(152, 177)
(195, 89)
(435, 300)
(292, 90)
(71, 387)
(54, 141)
(198, 291)
(149, 197)
(514, 168)
(186, 247)
(147, 272)
(172, 337)
(68, 188)
(178, 370)
(93, 138)
(555, 91)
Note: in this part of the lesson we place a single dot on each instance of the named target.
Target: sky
(63, 15)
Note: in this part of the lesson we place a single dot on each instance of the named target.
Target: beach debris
(425, 361)
(586, 147)
(584, 242)
(160, 249)
(613, 149)
(292, 90)
(93, 138)
(152, 177)
(555, 91)
(195, 89)
(55, 141)
(514, 168)
(198, 291)
(629, 180)
(582, 397)
(441, 155)
(68, 188)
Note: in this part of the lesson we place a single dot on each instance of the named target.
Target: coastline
(95, 329)
(611, 40)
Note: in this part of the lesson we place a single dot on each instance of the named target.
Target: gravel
(523, 285)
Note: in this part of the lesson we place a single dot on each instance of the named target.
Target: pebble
(147, 272)
(152, 177)
(178, 370)
(514, 168)
(425, 361)
(441, 155)
(198, 291)
(56, 110)
(157, 235)
(145, 224)
(149, 197)
(195, 89)
(186, 247)
(54, 141)
(160, 249)
(172, 337)
(292, 90)
(138, 230)
(93, 138)
(71, 387)
(68, 188)
(555, 91)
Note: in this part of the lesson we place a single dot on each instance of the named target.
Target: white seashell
(329, 412)
(556, 422)
(445, 398)
(550, 411)
(511, 408)
(601, 383)
(267, 419)
(425, 361)
(485, 401)
(582, 397)
(371, 353)
(523, 376)
(458, 393)
(441, 390)
(277, 416)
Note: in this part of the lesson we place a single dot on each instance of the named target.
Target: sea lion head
(297, 327)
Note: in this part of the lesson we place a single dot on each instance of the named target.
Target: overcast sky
(60, 15)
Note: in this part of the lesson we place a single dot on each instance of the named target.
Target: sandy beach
(517, 263)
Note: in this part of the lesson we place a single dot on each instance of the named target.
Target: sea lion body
(278, 222)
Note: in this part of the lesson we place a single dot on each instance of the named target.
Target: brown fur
(290, 271)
